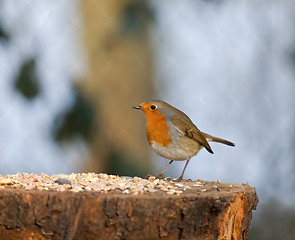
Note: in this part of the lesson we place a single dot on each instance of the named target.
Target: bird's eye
(153, 107)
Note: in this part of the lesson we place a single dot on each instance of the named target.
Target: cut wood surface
(213, 210)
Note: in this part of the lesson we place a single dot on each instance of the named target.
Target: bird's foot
(179, 179)
(160, 177)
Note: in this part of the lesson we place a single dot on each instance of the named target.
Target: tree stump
(214, 211)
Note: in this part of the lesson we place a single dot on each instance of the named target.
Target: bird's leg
(161, 174)
(181, 176)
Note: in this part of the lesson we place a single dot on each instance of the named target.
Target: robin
(173, 135)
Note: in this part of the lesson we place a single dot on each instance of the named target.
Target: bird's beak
(138, 107)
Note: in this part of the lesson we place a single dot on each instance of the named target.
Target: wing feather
(186, 126)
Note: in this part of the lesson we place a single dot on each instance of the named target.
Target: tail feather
(216, 139)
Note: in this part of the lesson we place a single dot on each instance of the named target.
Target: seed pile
(103, 183)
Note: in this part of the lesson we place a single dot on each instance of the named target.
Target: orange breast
(157, 128)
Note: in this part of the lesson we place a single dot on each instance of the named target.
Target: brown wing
(197, 136)
(186, 126)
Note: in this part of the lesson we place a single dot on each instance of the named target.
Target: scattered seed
(197, 184)
(62, 181)
(101, 183)
(179, 185)
(6, 182)
(152, 178)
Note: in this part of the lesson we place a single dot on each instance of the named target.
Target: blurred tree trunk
(116, 36)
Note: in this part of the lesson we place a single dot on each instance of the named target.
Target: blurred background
(70, 72)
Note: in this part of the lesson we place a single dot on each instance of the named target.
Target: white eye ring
(153, 107)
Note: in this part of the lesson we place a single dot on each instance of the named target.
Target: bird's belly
(180, 148)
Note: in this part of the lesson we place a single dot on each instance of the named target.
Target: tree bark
(222, 212)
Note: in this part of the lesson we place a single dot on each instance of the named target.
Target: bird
(173, 135)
